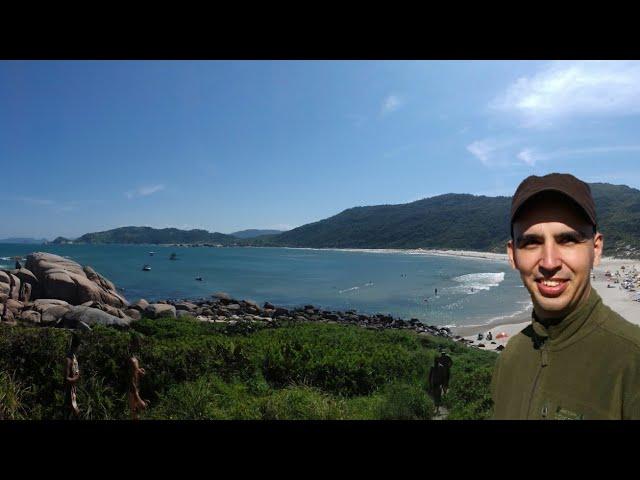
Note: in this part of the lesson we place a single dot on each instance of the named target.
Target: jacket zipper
(535, 382)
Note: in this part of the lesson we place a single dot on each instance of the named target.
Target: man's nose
(551, 260)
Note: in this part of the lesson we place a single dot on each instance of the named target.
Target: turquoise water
(470, 291)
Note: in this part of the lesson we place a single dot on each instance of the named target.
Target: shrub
(12, 395)
(206, 398)
(301, 403)
(342, 360)
(403, 401)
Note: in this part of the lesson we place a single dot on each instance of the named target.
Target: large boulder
(187, 306)
(27, 277)
(61, 278)
(15, 306)
(9, 284)
(30, 316)
(53, 313)
(158, 310)
(141, 305)
(133, 314)
(45, 302)
(92, 316)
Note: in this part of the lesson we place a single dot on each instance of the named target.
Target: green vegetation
(200, 370)
(156, 236)
(451, 221)
(457, 221)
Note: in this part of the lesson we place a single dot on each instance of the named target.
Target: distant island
(30, 241)
(450, 221)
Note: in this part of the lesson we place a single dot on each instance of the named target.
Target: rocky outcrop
(159, 310)
(9, 285)
(59, 277)
(92, 316)
(30, 316)
(141, 305)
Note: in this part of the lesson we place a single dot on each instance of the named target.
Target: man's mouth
(552, 287)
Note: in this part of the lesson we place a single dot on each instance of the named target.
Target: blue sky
(88, 146)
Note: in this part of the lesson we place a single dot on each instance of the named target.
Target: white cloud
(530, 157)
(493, 152)
(566, 89)
(144, 191)
(391, 104)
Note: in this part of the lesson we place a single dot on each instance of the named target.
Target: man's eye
(529, 243)
(567, 240)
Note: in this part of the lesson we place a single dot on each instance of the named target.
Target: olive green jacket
(585, 367)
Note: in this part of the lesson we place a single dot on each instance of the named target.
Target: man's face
(554, 249)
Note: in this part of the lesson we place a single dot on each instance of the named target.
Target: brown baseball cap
(564, 183)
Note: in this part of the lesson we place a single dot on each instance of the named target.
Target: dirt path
(444, 413)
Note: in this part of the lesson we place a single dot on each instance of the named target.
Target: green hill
(156, 236)
(457, 221)
(450, 221)
(252, 233)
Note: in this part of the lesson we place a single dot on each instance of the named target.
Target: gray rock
(52, 314)
(188, 306)
(159, 310)
(49, 301)
(141, 305)
(133, 314)
(61, 278)
(222, 296)
(92, 316)
(30, 316)
(253, 304)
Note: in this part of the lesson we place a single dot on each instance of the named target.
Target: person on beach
(71, 377)
(136, 403)
(577, 359)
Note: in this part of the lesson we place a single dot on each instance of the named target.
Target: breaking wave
(475, 282)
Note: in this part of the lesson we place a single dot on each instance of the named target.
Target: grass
(198, 370)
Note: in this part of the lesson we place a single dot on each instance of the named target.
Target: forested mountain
(457, 221)
(156, 236)
(252, 233)
(450, 221)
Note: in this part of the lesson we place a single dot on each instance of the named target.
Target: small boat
(151, 253)
(146, 268)
(199, 279)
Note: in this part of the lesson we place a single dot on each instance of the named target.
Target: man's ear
(598, 245)
(511, 254)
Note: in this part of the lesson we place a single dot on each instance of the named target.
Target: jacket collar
(569, 328)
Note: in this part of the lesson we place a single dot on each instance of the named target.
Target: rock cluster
(222, 308)
(53, 290)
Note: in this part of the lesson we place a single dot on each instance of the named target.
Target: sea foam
(475, 282)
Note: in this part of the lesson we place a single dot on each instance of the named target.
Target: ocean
(471, 291)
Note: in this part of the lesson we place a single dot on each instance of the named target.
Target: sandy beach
(614, 296)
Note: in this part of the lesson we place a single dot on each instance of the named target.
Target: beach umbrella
(502, 335)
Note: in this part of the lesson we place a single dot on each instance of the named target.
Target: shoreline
(616, 298)
(619, 300)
